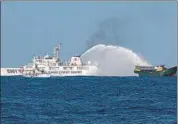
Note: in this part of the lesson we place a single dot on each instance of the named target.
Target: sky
(34, 28)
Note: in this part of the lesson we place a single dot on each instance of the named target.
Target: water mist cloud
(113, 60)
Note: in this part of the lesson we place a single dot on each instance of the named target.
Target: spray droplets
(113, 60)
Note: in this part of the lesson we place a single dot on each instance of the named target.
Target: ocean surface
(89, 100)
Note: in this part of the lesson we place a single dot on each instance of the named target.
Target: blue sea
(89, 100)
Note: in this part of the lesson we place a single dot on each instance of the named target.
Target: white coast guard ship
(49, 66)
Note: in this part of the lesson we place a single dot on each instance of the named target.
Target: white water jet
(113, 60)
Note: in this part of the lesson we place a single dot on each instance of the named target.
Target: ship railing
(144, 68)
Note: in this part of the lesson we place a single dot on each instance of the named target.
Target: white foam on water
(113, 60)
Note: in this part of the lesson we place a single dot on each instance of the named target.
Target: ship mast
(56, 51)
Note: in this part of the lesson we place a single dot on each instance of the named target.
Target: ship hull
(168, 72)
(37, 76)
(11, 71)
(57, 72)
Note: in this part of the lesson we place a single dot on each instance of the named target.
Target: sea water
(88, 100)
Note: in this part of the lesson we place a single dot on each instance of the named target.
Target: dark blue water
(89, 100)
